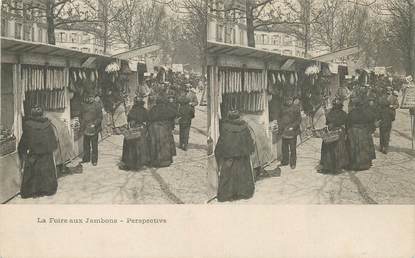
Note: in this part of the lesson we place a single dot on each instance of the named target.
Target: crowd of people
(371, 105)
(148, 135)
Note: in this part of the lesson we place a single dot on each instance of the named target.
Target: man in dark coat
(387, 106)
(289, 121)
(36, 151)
(91, 118)
(135, 152)
(232, 153)
(186, 114)
(162, 146)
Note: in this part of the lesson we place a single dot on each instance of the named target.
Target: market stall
(256, 82)
(36, 73)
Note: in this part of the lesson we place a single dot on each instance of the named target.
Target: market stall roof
(22, 46)
(218, 48)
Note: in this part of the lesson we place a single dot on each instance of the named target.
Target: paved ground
(390, 181)
(182, 182)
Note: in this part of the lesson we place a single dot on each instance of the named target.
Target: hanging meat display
(41, 78)
(49, 100)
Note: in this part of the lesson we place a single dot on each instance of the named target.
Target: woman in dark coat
(136, 152)
(334, 155)
(359, 129)
(232, 152)
(162, 146)
(36, 149)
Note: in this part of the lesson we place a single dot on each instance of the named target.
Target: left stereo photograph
(100, 107)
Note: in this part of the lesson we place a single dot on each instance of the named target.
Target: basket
(8, 146)
(132, 134)
(327, 135)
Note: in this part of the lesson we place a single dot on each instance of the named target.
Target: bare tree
(140, 23)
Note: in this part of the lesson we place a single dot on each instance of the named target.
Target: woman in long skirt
(334, 155)
(36, 149)
(135, 152)
(361, 148)
(232, 152)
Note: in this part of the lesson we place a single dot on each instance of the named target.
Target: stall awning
(22, 47)
(219, 48)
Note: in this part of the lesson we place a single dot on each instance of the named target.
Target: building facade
(19, 22)
(79, 40)
(279, 42)
(227, 24)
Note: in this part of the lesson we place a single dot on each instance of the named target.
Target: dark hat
(233, 114)
(139, 101)
(36, 111)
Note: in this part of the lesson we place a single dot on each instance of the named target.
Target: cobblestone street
(183, 182)
(391, 180)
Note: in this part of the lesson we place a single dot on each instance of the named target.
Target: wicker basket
(133, 133)
(7, 146)
(327, 135)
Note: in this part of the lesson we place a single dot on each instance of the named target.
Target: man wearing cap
(35, 149)
(232, 153)
(289, 121)
(186, 114)
(90, 118)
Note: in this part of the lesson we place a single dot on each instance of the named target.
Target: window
(27, 30)
(276, 40)
(241, 35)
(85, 38)
(85, 49)
(39, 35)
(4, 27)
(219, 33)
(33, 34)
(266, 39)
(75, 48)
(18, 31)
(74, 37)
(287, 40)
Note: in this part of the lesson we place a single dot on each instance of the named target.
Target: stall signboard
(380, 70)
(408, 99)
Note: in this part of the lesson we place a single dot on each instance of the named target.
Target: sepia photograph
(311, 101)
(284, 128)
(103, 102)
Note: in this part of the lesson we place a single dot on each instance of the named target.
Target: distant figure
(334, 156)
(232, 153)
(388, 104)
(186, 114)
(359, 126)
(91, 118)
(289, 121)
(162, 146)
(35, 150)
(135, 152)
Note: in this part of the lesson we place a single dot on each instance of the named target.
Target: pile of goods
(312, 70)
(76, 127)
(112, 68)
(7, 141)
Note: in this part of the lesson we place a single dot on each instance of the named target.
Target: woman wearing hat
(135, 152)
(36, 149)
(232, 154)
(334, 156)
(162, 146)
(359, 130)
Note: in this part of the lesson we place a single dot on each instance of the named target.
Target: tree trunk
(50, 19)
(250, 30)
(105, 39)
